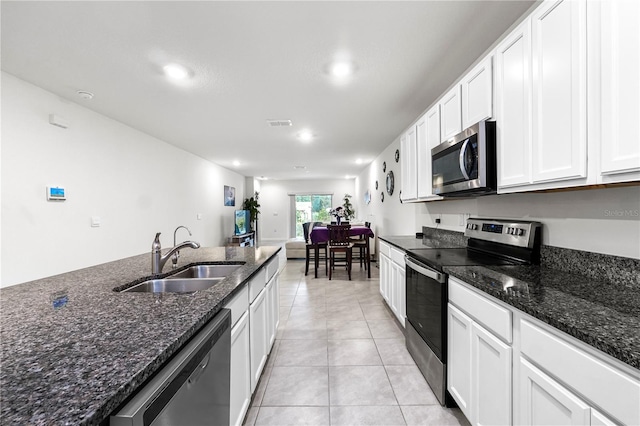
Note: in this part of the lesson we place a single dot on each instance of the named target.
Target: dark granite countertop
(602, 314)
(78, 363)
(592, 297)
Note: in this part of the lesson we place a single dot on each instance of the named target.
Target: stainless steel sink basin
(174, 285)
(205, 271)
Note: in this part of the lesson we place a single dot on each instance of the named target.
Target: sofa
(295, 248)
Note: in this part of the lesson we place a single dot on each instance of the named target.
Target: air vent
(279, 123)
(299, 167)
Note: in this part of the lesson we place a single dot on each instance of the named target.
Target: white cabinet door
(408, 165)
(393, 285)
(459, 359)
(558, 34)
(490, 378)
(599, 419)
(513, 107)
(450, 114)
(427, 137)
(543, 401)
(477, 93)
(434, 136)
(620, 67)
(272, 311)
(240, 370)
(385, 277)
(399, 299)
(258, 334)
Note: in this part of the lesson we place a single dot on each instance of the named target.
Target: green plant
(349, 213)
(252, 205)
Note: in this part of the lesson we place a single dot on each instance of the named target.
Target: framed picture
(229, 196)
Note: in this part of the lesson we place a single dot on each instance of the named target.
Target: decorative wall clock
(390, 182)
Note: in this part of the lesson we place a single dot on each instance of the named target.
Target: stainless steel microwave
(465, 165)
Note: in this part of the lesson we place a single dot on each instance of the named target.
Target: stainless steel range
(490, 242)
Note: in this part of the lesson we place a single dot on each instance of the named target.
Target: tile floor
(340, 359)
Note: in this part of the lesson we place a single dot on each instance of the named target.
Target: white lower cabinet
(479, 371)
(258, 334)
(490, 378)
(543, 401)
(240, 370)
(545, 377)
(459, 358)
(273, 310)
(392, 280)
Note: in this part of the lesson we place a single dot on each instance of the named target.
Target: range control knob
(520, 232)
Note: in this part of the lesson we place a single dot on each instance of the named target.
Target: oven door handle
(435, 275)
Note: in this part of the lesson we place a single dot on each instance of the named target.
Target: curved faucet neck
(158, 260)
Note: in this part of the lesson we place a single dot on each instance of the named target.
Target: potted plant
(252, 205)
(348, 212)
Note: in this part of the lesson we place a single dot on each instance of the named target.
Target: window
(311, 208)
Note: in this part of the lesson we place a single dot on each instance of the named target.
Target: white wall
(389, 217)
(275, 210)
(138, 185)
(604, 220)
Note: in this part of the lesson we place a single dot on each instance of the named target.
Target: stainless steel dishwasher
(192, 388)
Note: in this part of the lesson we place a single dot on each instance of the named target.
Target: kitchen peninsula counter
(75, 364)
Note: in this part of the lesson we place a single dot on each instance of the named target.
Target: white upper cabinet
(450, 114)
(477, 93)
(427, 137)
(513, 108)
(558, 40)
(620, 90)
(408, 165)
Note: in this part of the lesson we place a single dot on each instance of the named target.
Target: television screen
(242, 221)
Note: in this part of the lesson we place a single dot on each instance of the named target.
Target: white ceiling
(253, 61)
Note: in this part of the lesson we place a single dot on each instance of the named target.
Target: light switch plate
(95, 221)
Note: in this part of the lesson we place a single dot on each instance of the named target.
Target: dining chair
(360, 243)
(313, 251)
(339, 242)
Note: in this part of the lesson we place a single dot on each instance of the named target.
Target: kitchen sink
(174, 285)
(205, 271)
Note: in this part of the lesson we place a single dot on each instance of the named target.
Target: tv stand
(244, 240)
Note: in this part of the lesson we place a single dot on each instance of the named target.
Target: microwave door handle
(463, 166)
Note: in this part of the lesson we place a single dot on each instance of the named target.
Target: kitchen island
(73, 349)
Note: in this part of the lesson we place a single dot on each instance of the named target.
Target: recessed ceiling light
(85, 95)
(236, 163)
(175, 71)
(359, 161)
(305, 135)
(341, 69)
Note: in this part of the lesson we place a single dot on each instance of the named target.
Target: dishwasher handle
(425, 270)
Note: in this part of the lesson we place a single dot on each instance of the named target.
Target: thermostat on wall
(55, 193)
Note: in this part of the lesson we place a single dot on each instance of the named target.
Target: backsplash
(623, 270)
(448, 238)
(608, 268)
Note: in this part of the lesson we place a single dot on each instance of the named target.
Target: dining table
(320, 234)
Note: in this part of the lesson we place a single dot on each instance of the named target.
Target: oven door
(427, 305)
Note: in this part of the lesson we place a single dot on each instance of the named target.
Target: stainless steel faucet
(158, 260)
(176, 255)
